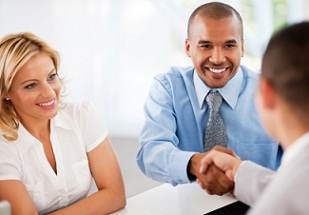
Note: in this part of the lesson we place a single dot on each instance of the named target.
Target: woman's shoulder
(76, 107)
(76, 112)
(8, 151)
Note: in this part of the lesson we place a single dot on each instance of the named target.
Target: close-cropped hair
(215, 10)
(15, 51)
(285, 65)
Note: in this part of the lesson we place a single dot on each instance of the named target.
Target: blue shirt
(176, 115)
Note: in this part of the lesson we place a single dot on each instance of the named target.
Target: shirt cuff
(179, 166)
(240, 166)
(250, 181)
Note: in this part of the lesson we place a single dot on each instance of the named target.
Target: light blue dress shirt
(176, 115)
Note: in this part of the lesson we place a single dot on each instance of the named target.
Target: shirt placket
(60, 183)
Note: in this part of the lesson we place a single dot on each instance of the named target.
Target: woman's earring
(7, 99)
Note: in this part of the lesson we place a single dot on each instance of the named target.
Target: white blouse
(75, 131)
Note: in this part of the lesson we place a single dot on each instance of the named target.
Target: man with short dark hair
(180, 125)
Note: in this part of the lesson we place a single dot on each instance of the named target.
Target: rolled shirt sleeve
(92, 125)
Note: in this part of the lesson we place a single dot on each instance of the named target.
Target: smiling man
(178, 130)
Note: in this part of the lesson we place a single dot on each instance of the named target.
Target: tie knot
(214, 100)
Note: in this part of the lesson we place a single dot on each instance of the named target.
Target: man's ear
(187, 45)
(268, 93)
(242, 47)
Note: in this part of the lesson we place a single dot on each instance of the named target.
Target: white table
(5, 208)
(187, 199)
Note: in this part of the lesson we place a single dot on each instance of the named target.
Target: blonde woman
(50, 151)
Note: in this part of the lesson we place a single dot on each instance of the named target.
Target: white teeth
(47, 103)
(217, 70)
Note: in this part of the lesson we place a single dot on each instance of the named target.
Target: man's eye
(230, 46)
(52, 77)
(30, 86)
(205, 46)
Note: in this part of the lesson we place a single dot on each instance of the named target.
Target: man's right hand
(227, 162)
(214, 180)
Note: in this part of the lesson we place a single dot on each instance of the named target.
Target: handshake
(215, 170)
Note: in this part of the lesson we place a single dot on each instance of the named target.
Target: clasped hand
(215, 170)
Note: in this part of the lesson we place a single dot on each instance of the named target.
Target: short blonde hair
(15, 51)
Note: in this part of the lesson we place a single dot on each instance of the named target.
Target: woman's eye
(52, 77)
(30, 86)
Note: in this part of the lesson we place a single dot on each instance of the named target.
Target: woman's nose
(47, 91)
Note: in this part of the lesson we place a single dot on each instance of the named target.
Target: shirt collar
(229, 92)
(61, 120)
(26, 140)
(293, 151)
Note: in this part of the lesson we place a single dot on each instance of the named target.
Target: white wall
(111, 49)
